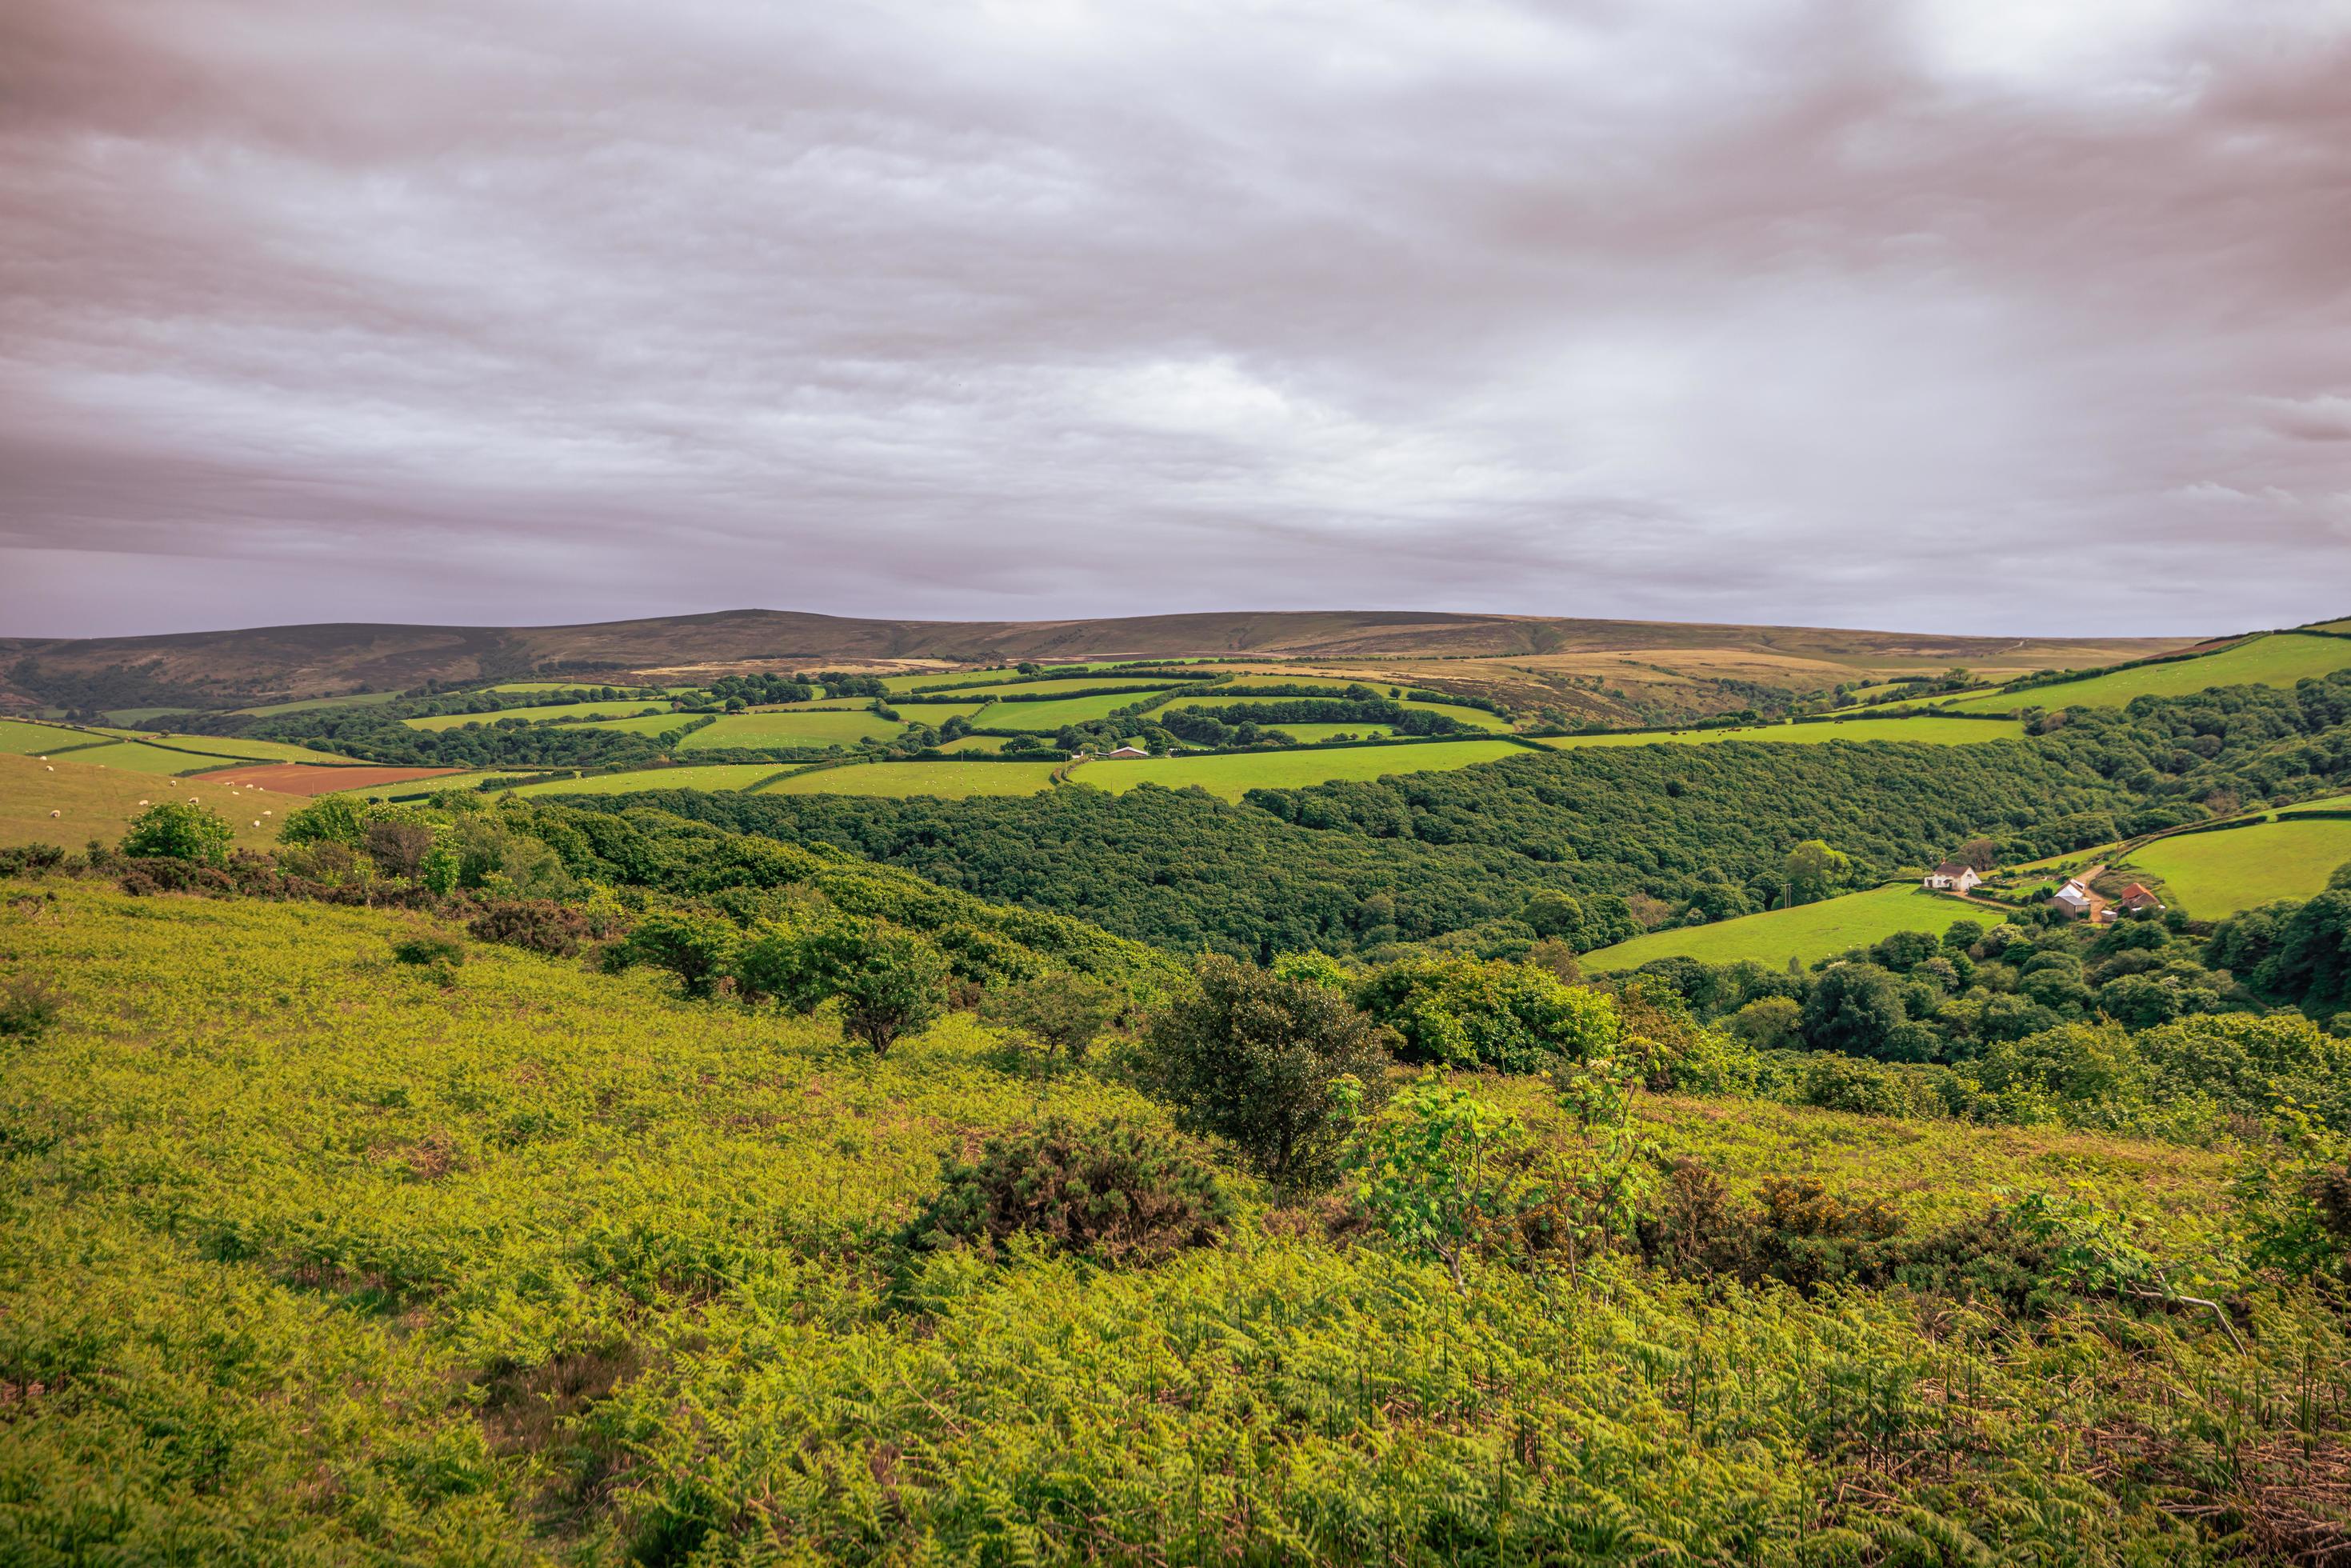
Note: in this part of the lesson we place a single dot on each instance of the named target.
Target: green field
(23, 738)
(100, 802)
(2211, 875)
(1928, 730)
(211, 747)
(940, 678)
(2274, 660)
(950, 781)
(625, 708)
(706, 776)
(307, 704)
(1475, 717)
(138, 758)
(784, 729)
(1045, 717)
(1070, 684)
(975, 743)
(1234, 775)
(1315, 734)
(1806, 933)
(646, 723)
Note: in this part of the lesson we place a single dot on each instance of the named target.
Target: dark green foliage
(696, 949)
(1514, 1018)
(175, 829)
(16, 860)
(1113, 1193)
(1795, 1232)
(428, 950)
(1856, 1008)
(1062, 1013)
(889, 981)
(1275, 1067)
(540, 925)
(330, 819)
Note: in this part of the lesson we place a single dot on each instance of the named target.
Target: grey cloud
(1957, 316)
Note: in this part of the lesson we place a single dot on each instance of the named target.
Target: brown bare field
(307, 778)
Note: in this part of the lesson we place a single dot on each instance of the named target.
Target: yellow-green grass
(210, 748)
(134, 757)
(25, 739)
(100, 802)
(940, 678)
(1070, 684)
(1806, 933)
(714, 776)
(2275, 660)
(626, 708)
(307, 704)
(127, 716)
(1234, 775)
(1045, 717)
(2211, 875)
(2332, 626)
(1476, 717)
(783, 729)
(1315, 734)
(900, 781)
(423, 789)
(975, 743)
(1928, 731)
(937, 714)
(301, 1237)
(644, 724)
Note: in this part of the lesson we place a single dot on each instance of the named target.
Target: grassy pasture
(22, 737)
(646, 723)
(1234, 775)
(242, 749)
(2275, 660)
(1315, 734)
(1806, 933)
(308, 705)
(2217, 874)
(1069, 683)
(1928, 730)
(1476, 717)
(627, 708)
(703, 776)
(899, 781)
(1045, 717)
(924, 682)
(975, 743)
(99, 802)
(133, 756)
(806, 728)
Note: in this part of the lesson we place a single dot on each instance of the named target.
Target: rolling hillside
(292, 663)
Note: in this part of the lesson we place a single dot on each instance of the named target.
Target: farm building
(1124, 751)
(2074, 898)
(2141, 900)
(1952, 876)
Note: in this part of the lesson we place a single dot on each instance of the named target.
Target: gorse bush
(29, 1006)
(1117, 1193)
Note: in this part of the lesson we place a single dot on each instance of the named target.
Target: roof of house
(2137, 892)
(1952, 868)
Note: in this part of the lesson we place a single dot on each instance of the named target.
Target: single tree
(1277, 1068)
(177, 830)
(1812, 869)
(1061, 1012)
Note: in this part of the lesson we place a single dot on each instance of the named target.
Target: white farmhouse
(1952, 876)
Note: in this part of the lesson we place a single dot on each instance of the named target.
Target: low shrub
(16, 860)
(1112, 1194)
(29, 1006)
(539, 925)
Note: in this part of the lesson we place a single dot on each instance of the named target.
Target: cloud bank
(1959, 314)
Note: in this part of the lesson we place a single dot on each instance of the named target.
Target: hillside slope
(302, 661)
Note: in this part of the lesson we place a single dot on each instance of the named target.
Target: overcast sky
(1960, 316)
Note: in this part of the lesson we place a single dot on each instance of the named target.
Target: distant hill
(196, 668)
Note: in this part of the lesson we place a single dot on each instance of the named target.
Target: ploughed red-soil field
(312, 778)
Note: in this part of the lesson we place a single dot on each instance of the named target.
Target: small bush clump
(539, 924)
(1112, 1194)
(179, 831)
(437, 956)
(29, 1006)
